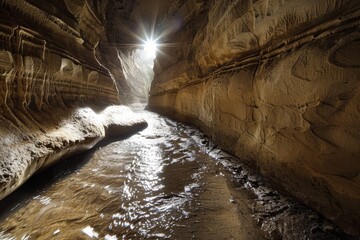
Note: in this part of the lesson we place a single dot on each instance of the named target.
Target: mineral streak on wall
(276, 82)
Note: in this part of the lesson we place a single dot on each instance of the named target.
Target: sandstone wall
(55, 81)
(276, 83)
(45, 59)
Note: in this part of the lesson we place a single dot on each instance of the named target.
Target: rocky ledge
(63, 132)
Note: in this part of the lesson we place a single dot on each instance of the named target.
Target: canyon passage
(180, 119)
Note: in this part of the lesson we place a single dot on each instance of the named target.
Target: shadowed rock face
(277, 84)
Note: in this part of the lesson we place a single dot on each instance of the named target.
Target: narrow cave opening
(137, 66)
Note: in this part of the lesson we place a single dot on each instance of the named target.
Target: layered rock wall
(55, 81)
(276, 83)
(44, 59)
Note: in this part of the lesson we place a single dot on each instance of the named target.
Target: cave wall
(137, 68)
(51, 57)
(59, 70)
(276, 83)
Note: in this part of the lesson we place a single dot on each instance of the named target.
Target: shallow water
(166, 182)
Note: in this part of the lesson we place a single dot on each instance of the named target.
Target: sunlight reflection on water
(160, 183)
(138, 187)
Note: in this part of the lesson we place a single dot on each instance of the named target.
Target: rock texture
(45, 59)
(277, 84)
(138, 71)
(58, 72)
(64, 131)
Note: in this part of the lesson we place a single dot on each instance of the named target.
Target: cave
(180, 119)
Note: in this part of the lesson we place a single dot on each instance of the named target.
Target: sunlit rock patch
(64, 131)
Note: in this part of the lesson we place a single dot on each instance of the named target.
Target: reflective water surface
(167, 181)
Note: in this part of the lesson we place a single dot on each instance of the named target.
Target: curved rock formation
(64, 132)
(277, 84)
(55, 82)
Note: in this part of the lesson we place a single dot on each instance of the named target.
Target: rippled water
(138, 187)
(167, 181)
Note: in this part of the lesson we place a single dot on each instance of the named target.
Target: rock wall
(51, 58)
(58, 72)
(276, 83)
(137, 68)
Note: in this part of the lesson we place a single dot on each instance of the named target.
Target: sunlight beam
(150, 48)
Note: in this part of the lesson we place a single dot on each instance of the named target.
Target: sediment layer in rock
(51, 57)
(277, 84)
(51, 70)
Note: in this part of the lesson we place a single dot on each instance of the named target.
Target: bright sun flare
(150, 48)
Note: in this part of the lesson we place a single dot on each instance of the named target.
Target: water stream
(166, 182)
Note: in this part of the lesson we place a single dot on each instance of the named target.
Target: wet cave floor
(165, 182)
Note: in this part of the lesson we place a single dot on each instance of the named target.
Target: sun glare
(150, 48)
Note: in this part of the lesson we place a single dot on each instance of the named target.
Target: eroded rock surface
(55, 83)
(64, 131)
(277, 84)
